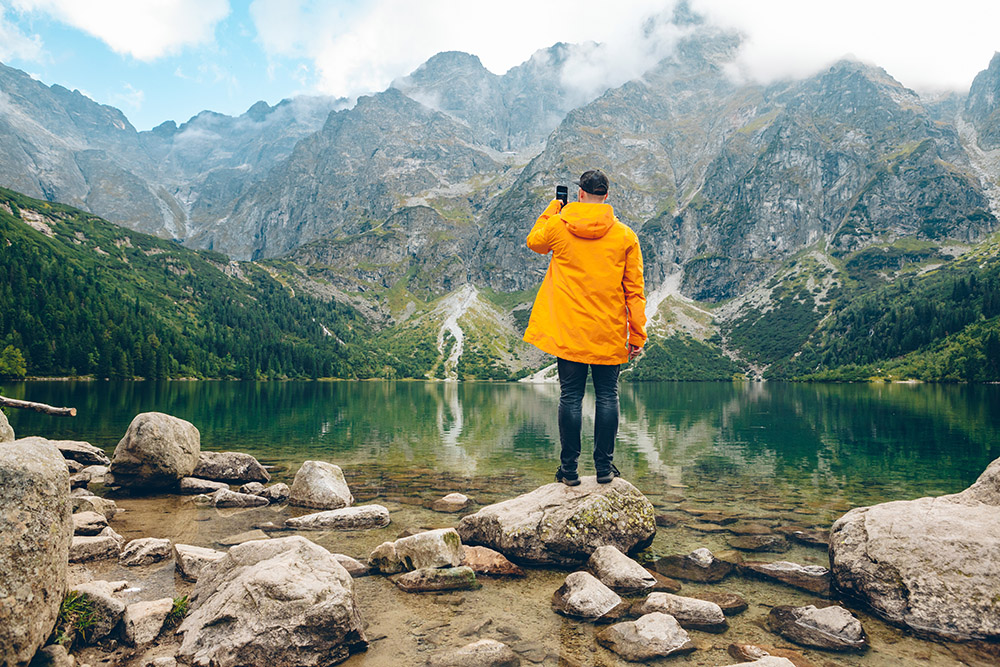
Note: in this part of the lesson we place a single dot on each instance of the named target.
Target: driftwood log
(37, 407)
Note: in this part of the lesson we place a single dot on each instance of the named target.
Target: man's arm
(537, 239)
(635, 298)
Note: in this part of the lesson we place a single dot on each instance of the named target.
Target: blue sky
(160, 60)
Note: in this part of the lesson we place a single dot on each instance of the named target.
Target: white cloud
(924, 45)
(15, 44)
(129, 98)
(145, 30)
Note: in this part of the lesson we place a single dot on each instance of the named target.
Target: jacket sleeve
(537, 238)
(635, 294)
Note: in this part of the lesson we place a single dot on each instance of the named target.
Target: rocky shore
(81, 584)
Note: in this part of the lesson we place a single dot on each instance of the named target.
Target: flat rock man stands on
(590, 312)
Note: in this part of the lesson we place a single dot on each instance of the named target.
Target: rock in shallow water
(144, 551)
(691, 613)
(558, 524)
(228, 498)
(431, 548)
(230, 467)
(283, 602)
(700, 565)
(582, 595)
(35, 534)
(194, 485)
(437, 579)
(320, 485)
(619, 572)
(453, 502)
(655, 635)
(831, 628)
(812, 578)
(484, 653)
(156, 452)
(930, 564)
(346, 518)
(487, 561)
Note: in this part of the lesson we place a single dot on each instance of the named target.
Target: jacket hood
(588, 221)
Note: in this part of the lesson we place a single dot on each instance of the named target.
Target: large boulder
(563, 525)
(156, 452)
(284, 602)
(6, 432)
(929, 564)
(320, 485)
(230, 467)
(35, 534)
(431, 548)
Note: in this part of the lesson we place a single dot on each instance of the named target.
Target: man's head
(593, 186)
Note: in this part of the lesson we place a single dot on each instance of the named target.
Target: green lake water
(785, 455)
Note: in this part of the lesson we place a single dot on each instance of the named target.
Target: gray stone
(432, 548)
(144, 551)
(437, 579)
(73, 466)
(758, 543)
(346, 518)
(276, 493)
(691, 613)
(35, 534)
(353, 566)
(929, 564)
(320, 485)
(6, 432)
(558, 524)
(619, 572)
(53, 655)
(230, 467)
(82, 452)
(194, 485)
(108, 609)
(655, 635)
(483, 653)
(700, 565)
(98, 473)
(253, 488)
(453, 502)
(89, 523)
(156, 452)
(79, 480)
(228, 498)
(162, 661)
(190, 560)
(106, 544)
(283, 602)
(143, 621)
(94, 504)
(383, 559)
(812, 578)
(582, 595)
(831, 628)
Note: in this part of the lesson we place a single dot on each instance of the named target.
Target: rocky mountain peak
(982, 108)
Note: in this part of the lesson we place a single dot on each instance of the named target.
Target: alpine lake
(789, 456)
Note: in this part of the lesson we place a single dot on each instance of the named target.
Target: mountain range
(766, 213)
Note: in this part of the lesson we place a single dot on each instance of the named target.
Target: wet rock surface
(832, 628)
(811, 578)
(483, 653)
(558, 524)
(230, 467)
(229, 498)
(731, 604)
(758, 543)
(437, 579)
(619, 572)
(700, 565)
(453, 502)
(193, 485)
(655, 635)
(691, 613)
(582, 595)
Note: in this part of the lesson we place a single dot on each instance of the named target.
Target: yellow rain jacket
(591, 304)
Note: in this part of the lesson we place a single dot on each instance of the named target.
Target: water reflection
(870, 440)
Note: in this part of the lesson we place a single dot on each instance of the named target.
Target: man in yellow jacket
(590, 312)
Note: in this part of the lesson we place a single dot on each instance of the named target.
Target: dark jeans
(572, 382)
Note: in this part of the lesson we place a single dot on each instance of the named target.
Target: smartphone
(562, 194)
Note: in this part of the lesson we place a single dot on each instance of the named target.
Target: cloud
(362, 47)
(14, 44)
(927, 47)
(129, 98)
(144, 30)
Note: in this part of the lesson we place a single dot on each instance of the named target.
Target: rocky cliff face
(982, 108)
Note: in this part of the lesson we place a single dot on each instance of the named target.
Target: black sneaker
(605, 477)
(567, 478)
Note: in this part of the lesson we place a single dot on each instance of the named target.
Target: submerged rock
(320, 485)
(831, 628)
(144, 551)
(700, 565)
(619, 572)
(353, 566)
(437, 579)
(488, 561)
(730, 603)
(190, 560)
(253, 488)
(483, 653)
(156, 452)
(929, 564)
(35, 534)
(812, 578)
(229, 498)
(558, 524)
(283, 602)
(346, 518)
(582, 595)
(453, 502)
(230, 467)
(655, 635)
(691, 613)
(766, 661)
(770, 543)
